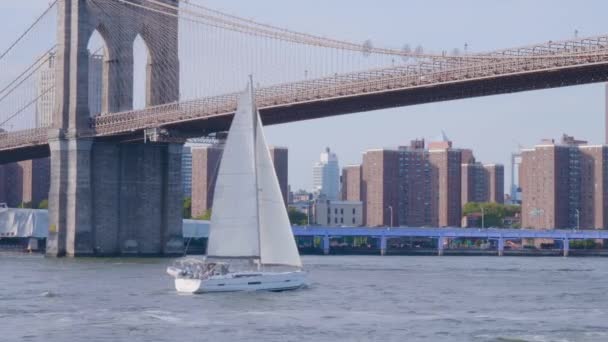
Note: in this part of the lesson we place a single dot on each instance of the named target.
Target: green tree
(25, 205)
(297, 217)
(44, 204)
(206, 216)
(493, 213)
(187, 208)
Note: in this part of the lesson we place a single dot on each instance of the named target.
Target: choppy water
(351, 298)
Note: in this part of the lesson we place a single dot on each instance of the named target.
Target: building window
(353, 220)
(341, 219)
(354, 211)
(336, 211)
(335, 220)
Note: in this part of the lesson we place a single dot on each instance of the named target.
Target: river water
(351, 298)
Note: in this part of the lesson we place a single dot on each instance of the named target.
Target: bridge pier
(501, 246)
(440, 243)
(326, 245)
(110, 199)
(566, 247)
(383, 245)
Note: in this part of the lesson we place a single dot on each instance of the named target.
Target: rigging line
(30, 28)
(46, 54)
(26, 106)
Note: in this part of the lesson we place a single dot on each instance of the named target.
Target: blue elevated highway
(200, 229)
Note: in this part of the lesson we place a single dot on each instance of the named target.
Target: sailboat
(251, 246)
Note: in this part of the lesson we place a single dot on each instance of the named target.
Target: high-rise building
(280, 159)
(205, 166)
(326, 176)
(445, 186)
(415, 186)
(606, 114)
(474, 183)
(95, 84)
(46, 89)
(594, 187)
(351, 183)
(420, 186)
(379, 187)
(25, 182)
(496, 182)
(563, 185)
(482, 183)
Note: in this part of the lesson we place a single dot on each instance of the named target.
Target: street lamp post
(390, 207)
(483, 214)
(578, 219)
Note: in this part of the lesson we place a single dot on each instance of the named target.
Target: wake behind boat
(251, 246)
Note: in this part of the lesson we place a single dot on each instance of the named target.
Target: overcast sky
(492, 126)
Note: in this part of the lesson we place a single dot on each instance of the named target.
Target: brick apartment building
(564, 185)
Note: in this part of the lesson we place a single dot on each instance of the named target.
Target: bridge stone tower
(108, 197)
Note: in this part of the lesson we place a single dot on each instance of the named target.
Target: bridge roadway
(549, 65)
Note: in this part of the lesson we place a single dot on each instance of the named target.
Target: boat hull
(262, 281)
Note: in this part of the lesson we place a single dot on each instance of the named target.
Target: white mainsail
(233, 231)
(249, 218)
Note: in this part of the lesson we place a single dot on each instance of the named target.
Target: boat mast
(254, 112)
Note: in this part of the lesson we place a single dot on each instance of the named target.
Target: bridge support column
(440, 244)
(501, 246)
(383, 245)
(70, 226)
(566, 247)
(326, 245)
(112, 199)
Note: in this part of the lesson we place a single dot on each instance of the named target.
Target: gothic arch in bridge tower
(142, 64)
(97, 82)
(119, 24)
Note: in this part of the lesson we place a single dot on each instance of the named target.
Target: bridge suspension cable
(28, 30)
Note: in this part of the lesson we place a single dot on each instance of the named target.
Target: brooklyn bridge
(116, 165)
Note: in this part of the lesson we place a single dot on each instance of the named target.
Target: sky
(492, 126)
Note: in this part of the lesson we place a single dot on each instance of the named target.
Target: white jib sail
(234, 231)
(277, 243)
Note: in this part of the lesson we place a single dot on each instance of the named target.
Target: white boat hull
(252, 281)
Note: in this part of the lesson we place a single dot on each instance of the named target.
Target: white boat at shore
(251, 245)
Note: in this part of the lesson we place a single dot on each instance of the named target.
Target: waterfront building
(415, 207)
(446, 205)
(351, 183)
(563, 185)
(496, 182)
(301, 196)
(280, 159)
(205, 166)
(337, 213)
(326, 176)
(423, 186)
(379, 187)
(482, 183)
(25, 182)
